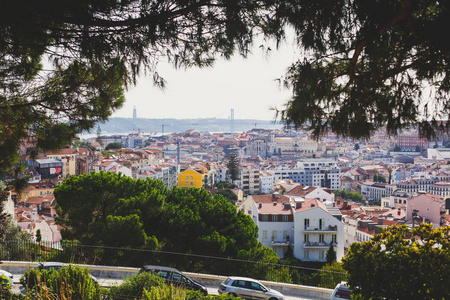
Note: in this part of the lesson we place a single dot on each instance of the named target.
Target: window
(334, 238)
(264, 236)
(176, 276)
(321, 238)
(274, 235)
(192, 183)
(274, 218)
(306, 238)
(192, 177)
(285, 218)
(187, 177)
(306, 223)
(285, 235)
(321, 223)
(321, 255)
(306, 254)
(187, 183)
(264, 218)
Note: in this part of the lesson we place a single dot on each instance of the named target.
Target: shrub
(133, 287)
(70, 282)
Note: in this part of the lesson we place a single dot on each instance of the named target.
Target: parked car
(248, 288)
(7, 275)
(57, 266)
(341, 291)
(175, 277)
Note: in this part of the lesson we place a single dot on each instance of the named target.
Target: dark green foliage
(229, 194)
(133, 286)
(401, 264)
(78, 144)
(379, 178)
(113, 146)
(356, 147)
(91, 51)
(233, 167)
(367, 64)
(107, 209)
(331, 255)
(38, 236)
(5, 288)
(354, 196)
(69, 280)
(331, 274)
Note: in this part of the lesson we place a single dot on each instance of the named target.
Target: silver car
(248, 288)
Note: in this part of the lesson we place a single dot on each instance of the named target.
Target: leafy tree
(379, 178)
(233, 167)
(90, 208)
(229, 194)
(417, 148)
(65, 65)
(108, 209)
(367, 65)
(99, 136)
(356, 148)
(79, 144)
(134, 286)
(390, 174)
(332, 274)
(397, 148)
(114, 145)
(401, 264)
(331, 255)
(38, 236)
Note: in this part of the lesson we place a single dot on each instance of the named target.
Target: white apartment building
(315, 230)
(249, 180)
(303, 224)
(266, 182)
(312, 172)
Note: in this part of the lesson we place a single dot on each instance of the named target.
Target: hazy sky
(246, 85)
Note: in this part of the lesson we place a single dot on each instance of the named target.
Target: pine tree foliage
(233, 167)
(64, 64)
(368, 64)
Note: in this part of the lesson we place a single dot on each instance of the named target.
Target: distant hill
(155, 126)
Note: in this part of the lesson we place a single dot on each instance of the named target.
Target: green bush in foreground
(70, 282)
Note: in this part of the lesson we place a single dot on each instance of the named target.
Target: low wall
(118, 273)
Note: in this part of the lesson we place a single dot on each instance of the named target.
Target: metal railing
(309, 273)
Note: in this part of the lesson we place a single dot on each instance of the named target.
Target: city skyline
(247, 85)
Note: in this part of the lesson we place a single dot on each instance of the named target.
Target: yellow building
(190, 178)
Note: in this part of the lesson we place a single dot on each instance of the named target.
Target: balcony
(325, 229)
(318, 245)
(280, 243)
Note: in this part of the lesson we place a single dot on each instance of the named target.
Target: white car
(248, 288)
(341, 291)
(9, 276)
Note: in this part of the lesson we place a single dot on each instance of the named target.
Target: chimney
(260, 205)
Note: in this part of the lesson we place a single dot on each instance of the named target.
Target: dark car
(175, 277)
